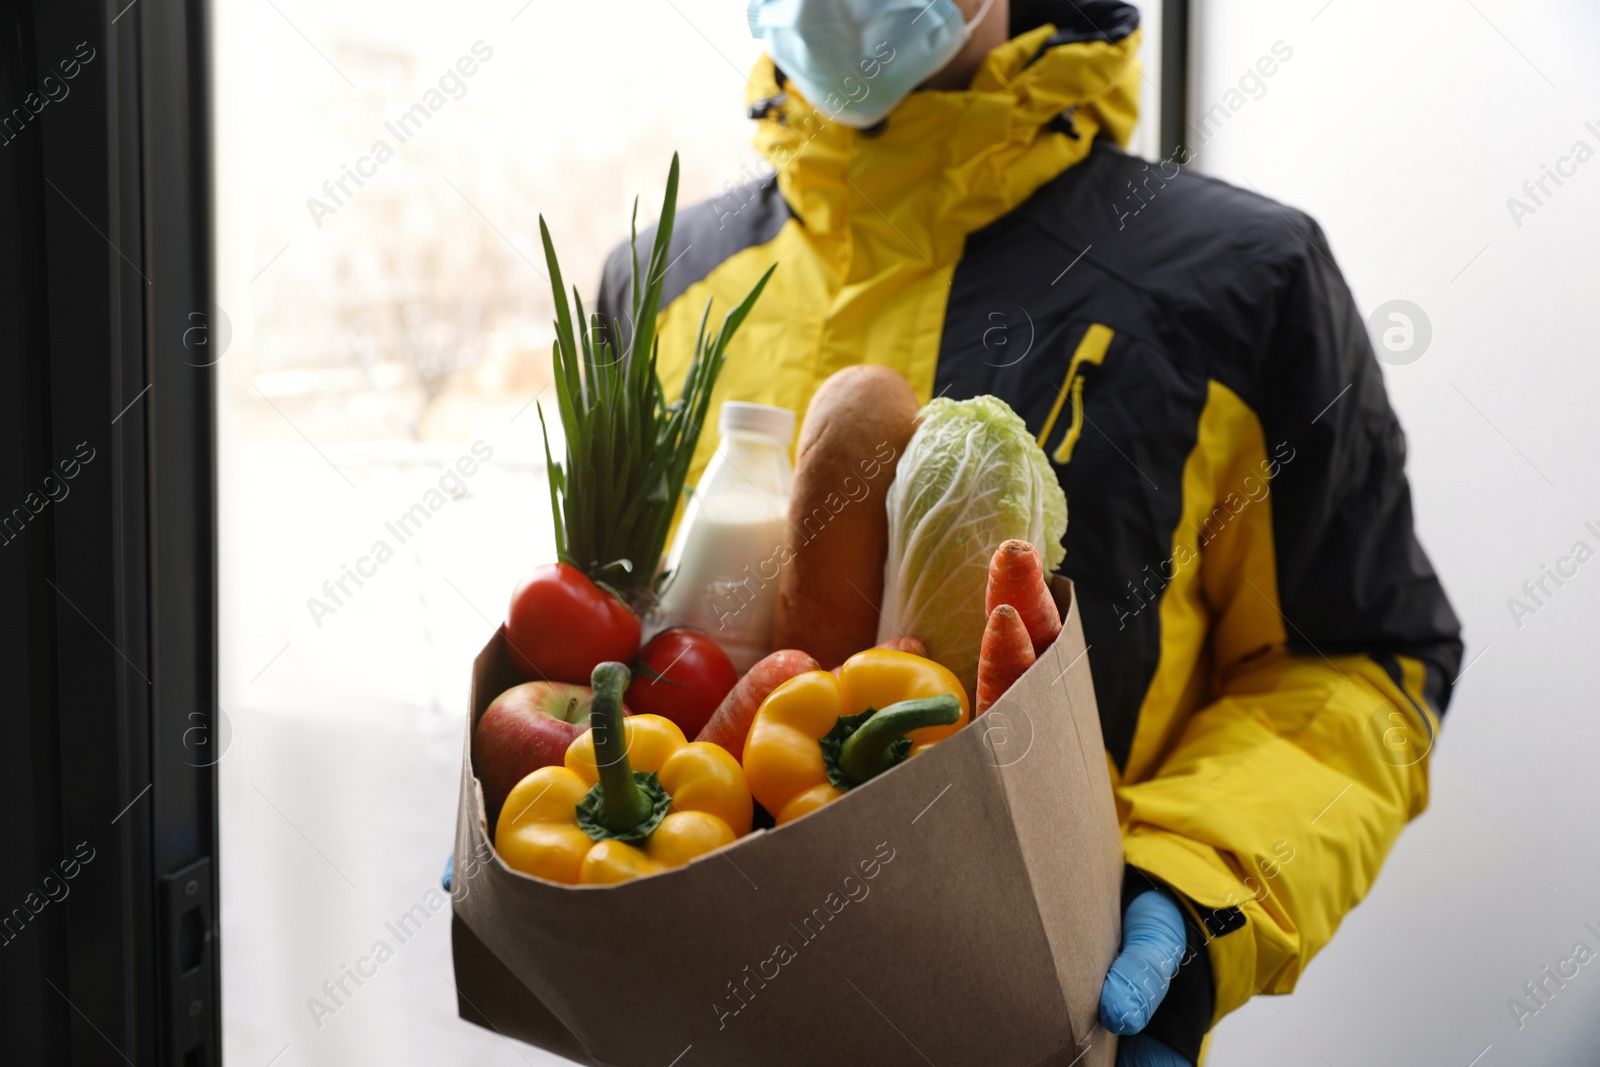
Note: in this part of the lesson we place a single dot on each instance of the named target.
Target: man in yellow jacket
(1270, 647)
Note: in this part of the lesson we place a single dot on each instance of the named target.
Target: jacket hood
(944, 163)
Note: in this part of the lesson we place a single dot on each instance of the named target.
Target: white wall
(1404, 128)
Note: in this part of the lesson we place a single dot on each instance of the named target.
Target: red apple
(527, 727)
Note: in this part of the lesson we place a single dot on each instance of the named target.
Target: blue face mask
(856, 59)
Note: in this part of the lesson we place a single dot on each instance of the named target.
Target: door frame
(106, 315)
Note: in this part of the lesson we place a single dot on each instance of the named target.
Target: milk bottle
(731, 542)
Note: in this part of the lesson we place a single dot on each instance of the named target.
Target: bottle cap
(763, 420)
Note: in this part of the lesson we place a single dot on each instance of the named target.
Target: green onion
(628, 449)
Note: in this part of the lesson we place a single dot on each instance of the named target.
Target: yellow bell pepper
(817, 735)
(634, 797)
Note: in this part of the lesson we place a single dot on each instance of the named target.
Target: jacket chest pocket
(1114, 413)
(1090, 353)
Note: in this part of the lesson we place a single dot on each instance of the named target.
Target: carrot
(1016, 578)
(730, 724)
(1004, 656)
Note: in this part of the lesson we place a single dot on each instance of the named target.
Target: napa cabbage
(971, 477)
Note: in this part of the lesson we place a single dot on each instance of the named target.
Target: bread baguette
(855, 429)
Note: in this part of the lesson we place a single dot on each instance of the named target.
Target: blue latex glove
(449, 872)
(1153, 944)
(1141, 1050)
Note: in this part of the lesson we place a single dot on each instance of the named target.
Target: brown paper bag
(961, 908)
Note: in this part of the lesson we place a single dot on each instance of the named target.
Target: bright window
(380, 173)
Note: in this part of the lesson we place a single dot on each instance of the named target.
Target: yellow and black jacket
(1270, 648)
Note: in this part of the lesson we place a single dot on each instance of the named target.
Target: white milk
(731, 544)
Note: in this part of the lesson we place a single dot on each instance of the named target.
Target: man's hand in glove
(1153, 945)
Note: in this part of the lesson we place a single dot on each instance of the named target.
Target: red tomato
(561, 625)
(683, 675)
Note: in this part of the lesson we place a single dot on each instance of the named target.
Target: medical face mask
(856, 59)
